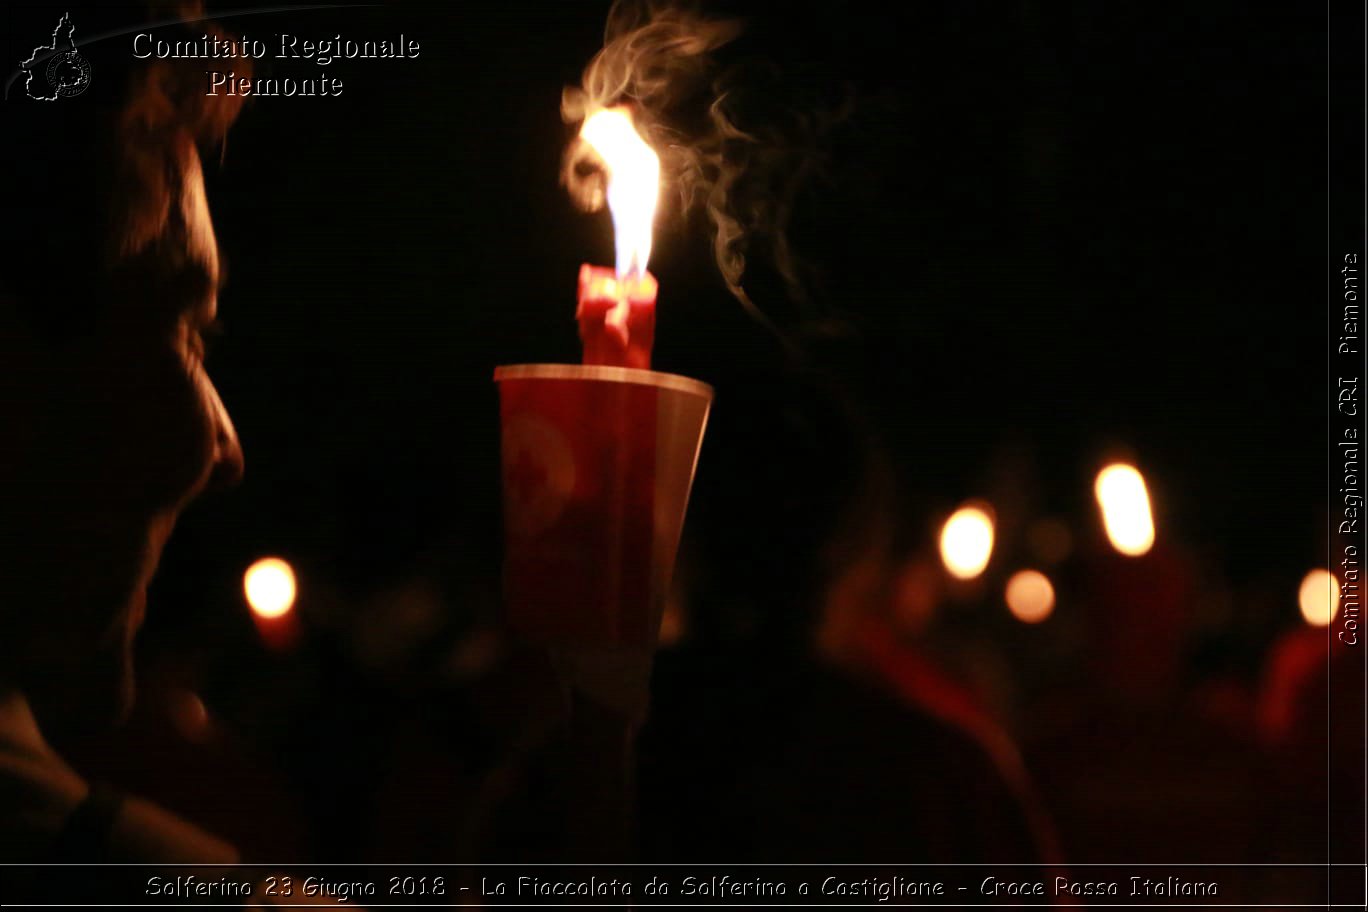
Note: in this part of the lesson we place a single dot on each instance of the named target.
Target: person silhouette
(112, 427)
(761, 747)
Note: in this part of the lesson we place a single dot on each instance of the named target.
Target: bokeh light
(1319, 597)
(1125, 504)
(1030, 596)
(966, 542)
(269, 585)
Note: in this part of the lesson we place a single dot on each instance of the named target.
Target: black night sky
(1044, 232)
(1033, 238)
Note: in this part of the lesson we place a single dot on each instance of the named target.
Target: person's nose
(227, 467)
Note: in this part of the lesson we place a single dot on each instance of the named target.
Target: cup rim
(605, 373)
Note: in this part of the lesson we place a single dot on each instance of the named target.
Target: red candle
(617, 307)
(616, 317)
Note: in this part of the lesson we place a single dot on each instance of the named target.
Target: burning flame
(1125, 504)
(269, 585)
(633, 184)
(966, 542)
(1319, 597)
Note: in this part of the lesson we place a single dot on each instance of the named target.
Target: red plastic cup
(597, 466)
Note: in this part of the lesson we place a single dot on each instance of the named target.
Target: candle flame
(1125, 503)
(1319, 597)
(633, 184)
(966, 542)
(269, 585)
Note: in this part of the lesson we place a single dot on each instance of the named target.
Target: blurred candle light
(1030, 597)
(1125, 504)
(1319, 597)
(966, 542)
(269, 585)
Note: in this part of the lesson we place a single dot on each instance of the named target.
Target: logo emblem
(65, 72)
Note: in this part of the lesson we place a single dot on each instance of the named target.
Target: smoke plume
(659, 59)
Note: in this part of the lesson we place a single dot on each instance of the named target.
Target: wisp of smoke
(658, 59)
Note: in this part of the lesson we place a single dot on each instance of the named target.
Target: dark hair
(88, 182)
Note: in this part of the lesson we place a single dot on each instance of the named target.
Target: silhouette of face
(114, 432)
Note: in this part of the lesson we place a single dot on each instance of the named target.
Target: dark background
(1058, 232)
(1040, 236)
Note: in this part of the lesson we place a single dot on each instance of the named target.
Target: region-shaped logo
(65, 72)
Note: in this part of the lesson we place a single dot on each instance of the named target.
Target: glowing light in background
(1030, 597)
(1125, 507)
(966, 542)
(269, 585)
(1319, 597)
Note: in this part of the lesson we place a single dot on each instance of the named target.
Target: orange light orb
(269, 585)
(1030, 596)
(1125, 503)
(1319, 597)
(966, 542)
